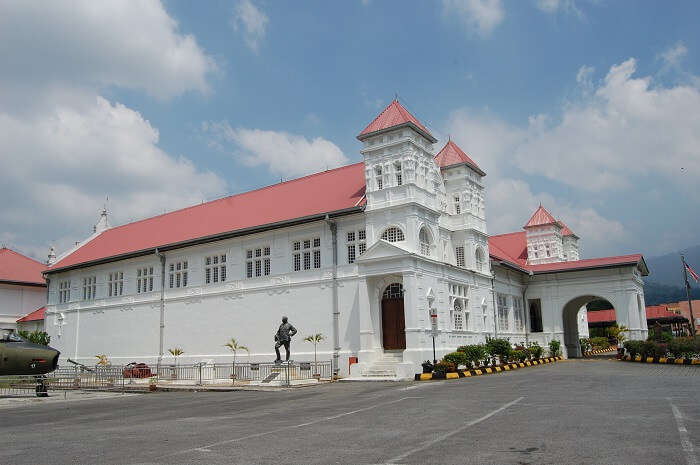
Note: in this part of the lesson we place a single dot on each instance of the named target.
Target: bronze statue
(283, 337)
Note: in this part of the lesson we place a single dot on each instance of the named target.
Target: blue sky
(590, 107)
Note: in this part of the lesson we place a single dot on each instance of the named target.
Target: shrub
(554, 348)
(682, 347)
(633, 347)
(536, 350)
(647, 348)
(520, 355)
(585, 344)
(456, 358)
(600, 343)
(498, 348)
(660, 350)
(444, 367)
(37, 337)
(474, 353)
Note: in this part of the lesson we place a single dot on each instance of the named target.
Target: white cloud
(623, 138)
(480, 16)
(672, 56)
(281, 153)
(251, 22)
(107, 43)
(555, 6)
(64, 147)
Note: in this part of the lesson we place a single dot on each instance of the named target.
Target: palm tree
(234, 347)
(617, 332)
(315, 338)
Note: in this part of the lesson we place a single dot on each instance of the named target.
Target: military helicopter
(21, 357)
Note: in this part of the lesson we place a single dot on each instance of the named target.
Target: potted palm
(234, 347)
(175, 352)
(315, 339)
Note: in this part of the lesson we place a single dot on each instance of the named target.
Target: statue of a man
(283, 337)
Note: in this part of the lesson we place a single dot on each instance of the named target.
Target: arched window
(480, 259)
(425, 241)
(393, 234)
(458, 316)
(393, 291)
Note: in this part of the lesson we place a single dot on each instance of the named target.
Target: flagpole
(687, 292)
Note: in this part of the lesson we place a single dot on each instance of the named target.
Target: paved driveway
(582, 412)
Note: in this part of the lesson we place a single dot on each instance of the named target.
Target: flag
(692, 272)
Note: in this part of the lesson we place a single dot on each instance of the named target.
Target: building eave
(407, 124)
(22, 283)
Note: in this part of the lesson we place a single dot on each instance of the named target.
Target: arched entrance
(572, 312)
(393, 320)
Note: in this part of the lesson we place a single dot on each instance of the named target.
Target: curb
(486, 370)
(661, 360)
(599, 351)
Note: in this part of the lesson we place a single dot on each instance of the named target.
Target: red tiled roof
(326, 192)
(36, 315)
(451, 154)
(565, 231)
(541, 217)
(18, 268)
(512, 248)
(601, 316)
(394, 115)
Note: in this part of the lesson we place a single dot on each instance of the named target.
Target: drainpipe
(161, 256)
(336, 312)
(493, 299)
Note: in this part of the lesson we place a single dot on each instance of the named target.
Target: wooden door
(393, 324)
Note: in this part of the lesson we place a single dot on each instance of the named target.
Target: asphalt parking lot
(579, 412)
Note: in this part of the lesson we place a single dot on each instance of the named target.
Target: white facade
(423, 228)
(17, 300)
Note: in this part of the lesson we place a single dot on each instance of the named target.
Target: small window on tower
(399, 174)
(458, 208)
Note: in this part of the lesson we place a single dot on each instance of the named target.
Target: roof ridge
(318, 173)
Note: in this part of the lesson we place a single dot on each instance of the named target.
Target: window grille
(177, 274)
(503, 310)
(393, 291)
(458, 208)
(115, 284)
(424, 240)
(459, 253)
(399, 174)
(518, 315)
(356, 243)
(257, 262)
(144, 280)
(303, 251)
(89, 287)
(393, 234)
(64, 292)
(458, 317)
(215, 269)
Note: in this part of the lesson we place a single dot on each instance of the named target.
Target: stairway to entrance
(385, 367)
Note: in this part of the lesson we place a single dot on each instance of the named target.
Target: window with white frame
(307, 253)
(503, 310)
(518, 314)
(215, 269)
(399, 173)
(356, 244)
(459, 310)
(547, 250)
(393, 234)
(458, 208)
(378, 177)
(257, 262)
(459, 254)
(89, 287)
(177, 274)
(424, 241)
(64, 292)
(144, 279)
(115, 284)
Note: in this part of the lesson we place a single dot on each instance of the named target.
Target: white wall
(17, 301)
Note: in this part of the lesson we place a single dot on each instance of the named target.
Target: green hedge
(679, 347)
(474, 353)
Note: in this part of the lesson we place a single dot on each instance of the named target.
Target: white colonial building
(22, 291)
(363, 254)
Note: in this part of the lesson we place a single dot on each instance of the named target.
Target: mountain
(665, 281)
(667, 269)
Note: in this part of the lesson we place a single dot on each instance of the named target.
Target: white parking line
(452, 433)
(207, 447)
(686, 444)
